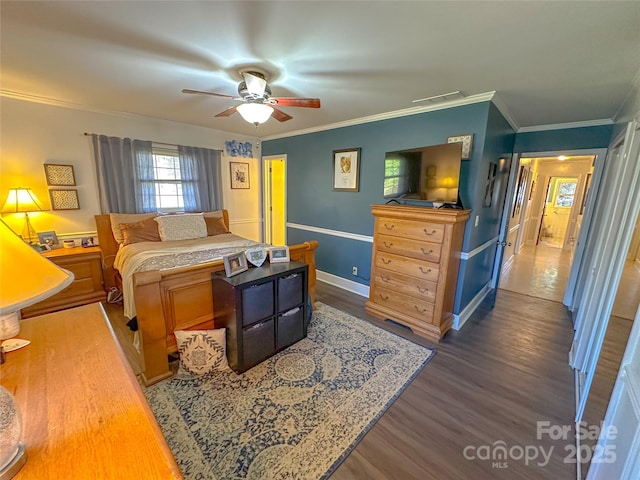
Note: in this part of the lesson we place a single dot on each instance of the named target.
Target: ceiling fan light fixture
(255, 113)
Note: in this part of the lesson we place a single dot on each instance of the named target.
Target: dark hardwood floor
(490, 382)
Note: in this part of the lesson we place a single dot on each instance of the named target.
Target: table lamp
(23, 200)
(26, 277)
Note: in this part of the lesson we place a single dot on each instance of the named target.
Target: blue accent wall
(311, 201)
(580, 138)
(476, 271)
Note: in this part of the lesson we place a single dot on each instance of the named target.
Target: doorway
(275, 199)
(547, 210)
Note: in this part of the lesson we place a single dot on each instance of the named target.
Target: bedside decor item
(39, 279)
(290, 400)
(64, 199)
(346, 170)
(50, 239)
(467, 144)
(87, 242)
(59, 175)
(239, 174)
(235, 263)
(23, 200)
(68, 243)
(278, 254)
(256, 256)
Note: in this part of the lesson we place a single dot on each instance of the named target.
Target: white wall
(32, 134)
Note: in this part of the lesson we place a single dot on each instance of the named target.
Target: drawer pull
(432, 232)
(291, 312)
(420, 310)
(422, 290)
(389, 227)
(384, 279)
(384, 297)
(388, 245)
(293, 275)
(428, 270)
(255, 327)
(426, 252)
(385, 261)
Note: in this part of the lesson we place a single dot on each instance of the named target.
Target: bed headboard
(109, 246)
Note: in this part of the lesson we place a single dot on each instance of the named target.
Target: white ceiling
(548, 62)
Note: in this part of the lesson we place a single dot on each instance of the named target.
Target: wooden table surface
(83, 412)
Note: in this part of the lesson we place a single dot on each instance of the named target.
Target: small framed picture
(50, 239)
(235, 263)
(41, 248)
(278, 254)
(346, 170)
(64, 199)
(239, 174)
(59, 175)
(87, 242)
(256, 256)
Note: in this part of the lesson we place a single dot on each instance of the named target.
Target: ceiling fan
(258, 104)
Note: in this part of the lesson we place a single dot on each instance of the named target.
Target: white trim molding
(349, 285)
(245, 221)
(482, 97)
(563, 126)
(477, 250)
(334, 233)
(459, 319)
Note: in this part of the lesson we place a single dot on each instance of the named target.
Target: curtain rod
(157, 143)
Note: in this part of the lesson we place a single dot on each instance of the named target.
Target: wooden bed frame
(177, 299)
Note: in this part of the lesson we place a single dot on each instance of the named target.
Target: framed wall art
(64, 199)
(59, 175)
(467, 144)
(346, 170)
(239, 174)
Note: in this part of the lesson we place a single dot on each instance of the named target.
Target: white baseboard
(343, 283)
(460, 319)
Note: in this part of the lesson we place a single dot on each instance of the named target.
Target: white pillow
(202, 351)
(181, 227)
(118, 218)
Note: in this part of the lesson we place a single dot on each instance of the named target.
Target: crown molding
(502, 107)
(563, 126)
(482, 97)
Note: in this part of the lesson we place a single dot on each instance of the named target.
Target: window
(566, 192)
(167, 180)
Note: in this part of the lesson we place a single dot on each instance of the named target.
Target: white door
(617, 454)
(618, 216)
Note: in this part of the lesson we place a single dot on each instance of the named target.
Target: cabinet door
(290, 327)
(257, 303)
(259, 343)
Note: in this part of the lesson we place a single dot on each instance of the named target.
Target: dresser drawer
(79, 269)
(410, 248)
(409, 266)
(406, 304)
(399, 282)
(425, 231)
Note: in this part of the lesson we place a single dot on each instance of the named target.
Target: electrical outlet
(354, 270)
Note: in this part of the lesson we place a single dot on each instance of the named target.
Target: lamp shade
(21, 200)
(255, 113)
(26, 277)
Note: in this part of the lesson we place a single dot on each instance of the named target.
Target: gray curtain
(201, 172)
(125, 174)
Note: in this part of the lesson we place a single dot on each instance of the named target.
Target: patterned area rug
(298, 414)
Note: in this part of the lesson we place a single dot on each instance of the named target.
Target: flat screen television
(430, 174)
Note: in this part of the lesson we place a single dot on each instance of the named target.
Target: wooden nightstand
(87, 286)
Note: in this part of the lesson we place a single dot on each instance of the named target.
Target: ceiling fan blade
(280, 115)
(296, 102)
(255, 85)
(227, 112)
(198, 92)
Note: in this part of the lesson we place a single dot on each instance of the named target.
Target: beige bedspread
(144, 256)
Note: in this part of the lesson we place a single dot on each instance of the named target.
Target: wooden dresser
(87, 286)
(414, 267)
(83, 412)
